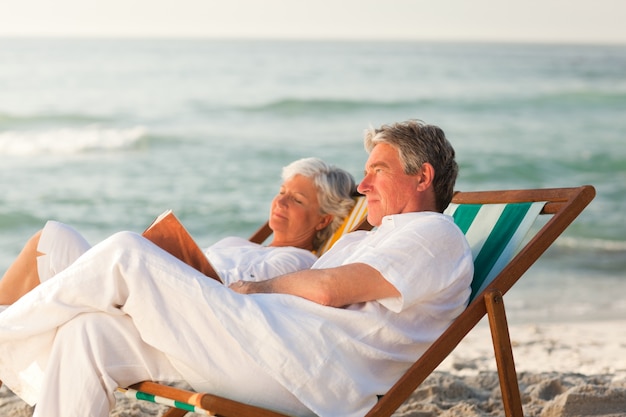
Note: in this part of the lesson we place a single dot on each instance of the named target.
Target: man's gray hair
(335, 190)
(418, 143)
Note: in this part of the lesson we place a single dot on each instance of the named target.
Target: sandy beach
(564, 370)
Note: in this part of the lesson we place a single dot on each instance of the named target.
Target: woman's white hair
(335, 191)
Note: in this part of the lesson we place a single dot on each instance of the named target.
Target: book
(167, 232)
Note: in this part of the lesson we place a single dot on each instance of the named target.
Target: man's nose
(363, 186)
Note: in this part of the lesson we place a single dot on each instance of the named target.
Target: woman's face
(295, 214)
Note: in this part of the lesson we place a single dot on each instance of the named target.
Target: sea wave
(298, 105)
(69, 140)
(572, 99)
(575, 98)
(592, 244)
(557, 100)
(12, 121)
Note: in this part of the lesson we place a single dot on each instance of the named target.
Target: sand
(564, 370)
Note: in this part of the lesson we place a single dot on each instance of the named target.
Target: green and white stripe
(138, 395)
(495, 233)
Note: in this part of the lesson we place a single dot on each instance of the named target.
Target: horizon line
(466, 40)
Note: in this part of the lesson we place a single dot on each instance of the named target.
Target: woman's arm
(335, 287)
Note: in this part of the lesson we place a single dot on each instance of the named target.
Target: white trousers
(91, 356)
(60, 246)
(124, 312)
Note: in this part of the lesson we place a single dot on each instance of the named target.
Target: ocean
(105, 134)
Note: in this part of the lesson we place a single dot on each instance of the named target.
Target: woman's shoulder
(233, 241)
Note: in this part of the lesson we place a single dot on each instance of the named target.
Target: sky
(561, 21)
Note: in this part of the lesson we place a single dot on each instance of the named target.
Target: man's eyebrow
(377, 164)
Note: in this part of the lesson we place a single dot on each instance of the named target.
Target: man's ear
(426, 176)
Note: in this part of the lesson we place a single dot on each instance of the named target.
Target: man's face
(387, 188)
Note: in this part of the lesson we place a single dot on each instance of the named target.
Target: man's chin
(374, 220)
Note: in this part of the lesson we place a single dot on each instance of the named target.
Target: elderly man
(324, 341)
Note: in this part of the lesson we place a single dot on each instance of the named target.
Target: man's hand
(335, 287)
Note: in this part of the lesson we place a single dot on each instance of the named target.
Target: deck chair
(496, 224)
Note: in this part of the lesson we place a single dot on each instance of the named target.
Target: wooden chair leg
(504, 354)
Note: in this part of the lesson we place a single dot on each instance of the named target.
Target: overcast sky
(587, 21)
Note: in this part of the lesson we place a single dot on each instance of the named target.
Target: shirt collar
(396, 220)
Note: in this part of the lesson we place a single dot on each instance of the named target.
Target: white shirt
(236, 259)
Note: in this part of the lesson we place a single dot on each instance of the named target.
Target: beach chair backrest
(494, 232)
(353, 221)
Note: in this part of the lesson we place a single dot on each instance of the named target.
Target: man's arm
(335, 287)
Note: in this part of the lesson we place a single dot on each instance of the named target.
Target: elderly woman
(313, 201)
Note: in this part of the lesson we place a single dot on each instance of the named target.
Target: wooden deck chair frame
(562, 205)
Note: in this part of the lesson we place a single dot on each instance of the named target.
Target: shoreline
(564, 370)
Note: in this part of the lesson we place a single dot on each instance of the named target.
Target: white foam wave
(68, 140)
(593, 244)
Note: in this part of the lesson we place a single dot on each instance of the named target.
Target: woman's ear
(325, 221)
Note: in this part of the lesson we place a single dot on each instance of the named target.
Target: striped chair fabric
(495, 233)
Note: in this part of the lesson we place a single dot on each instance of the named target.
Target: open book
(167, 232)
